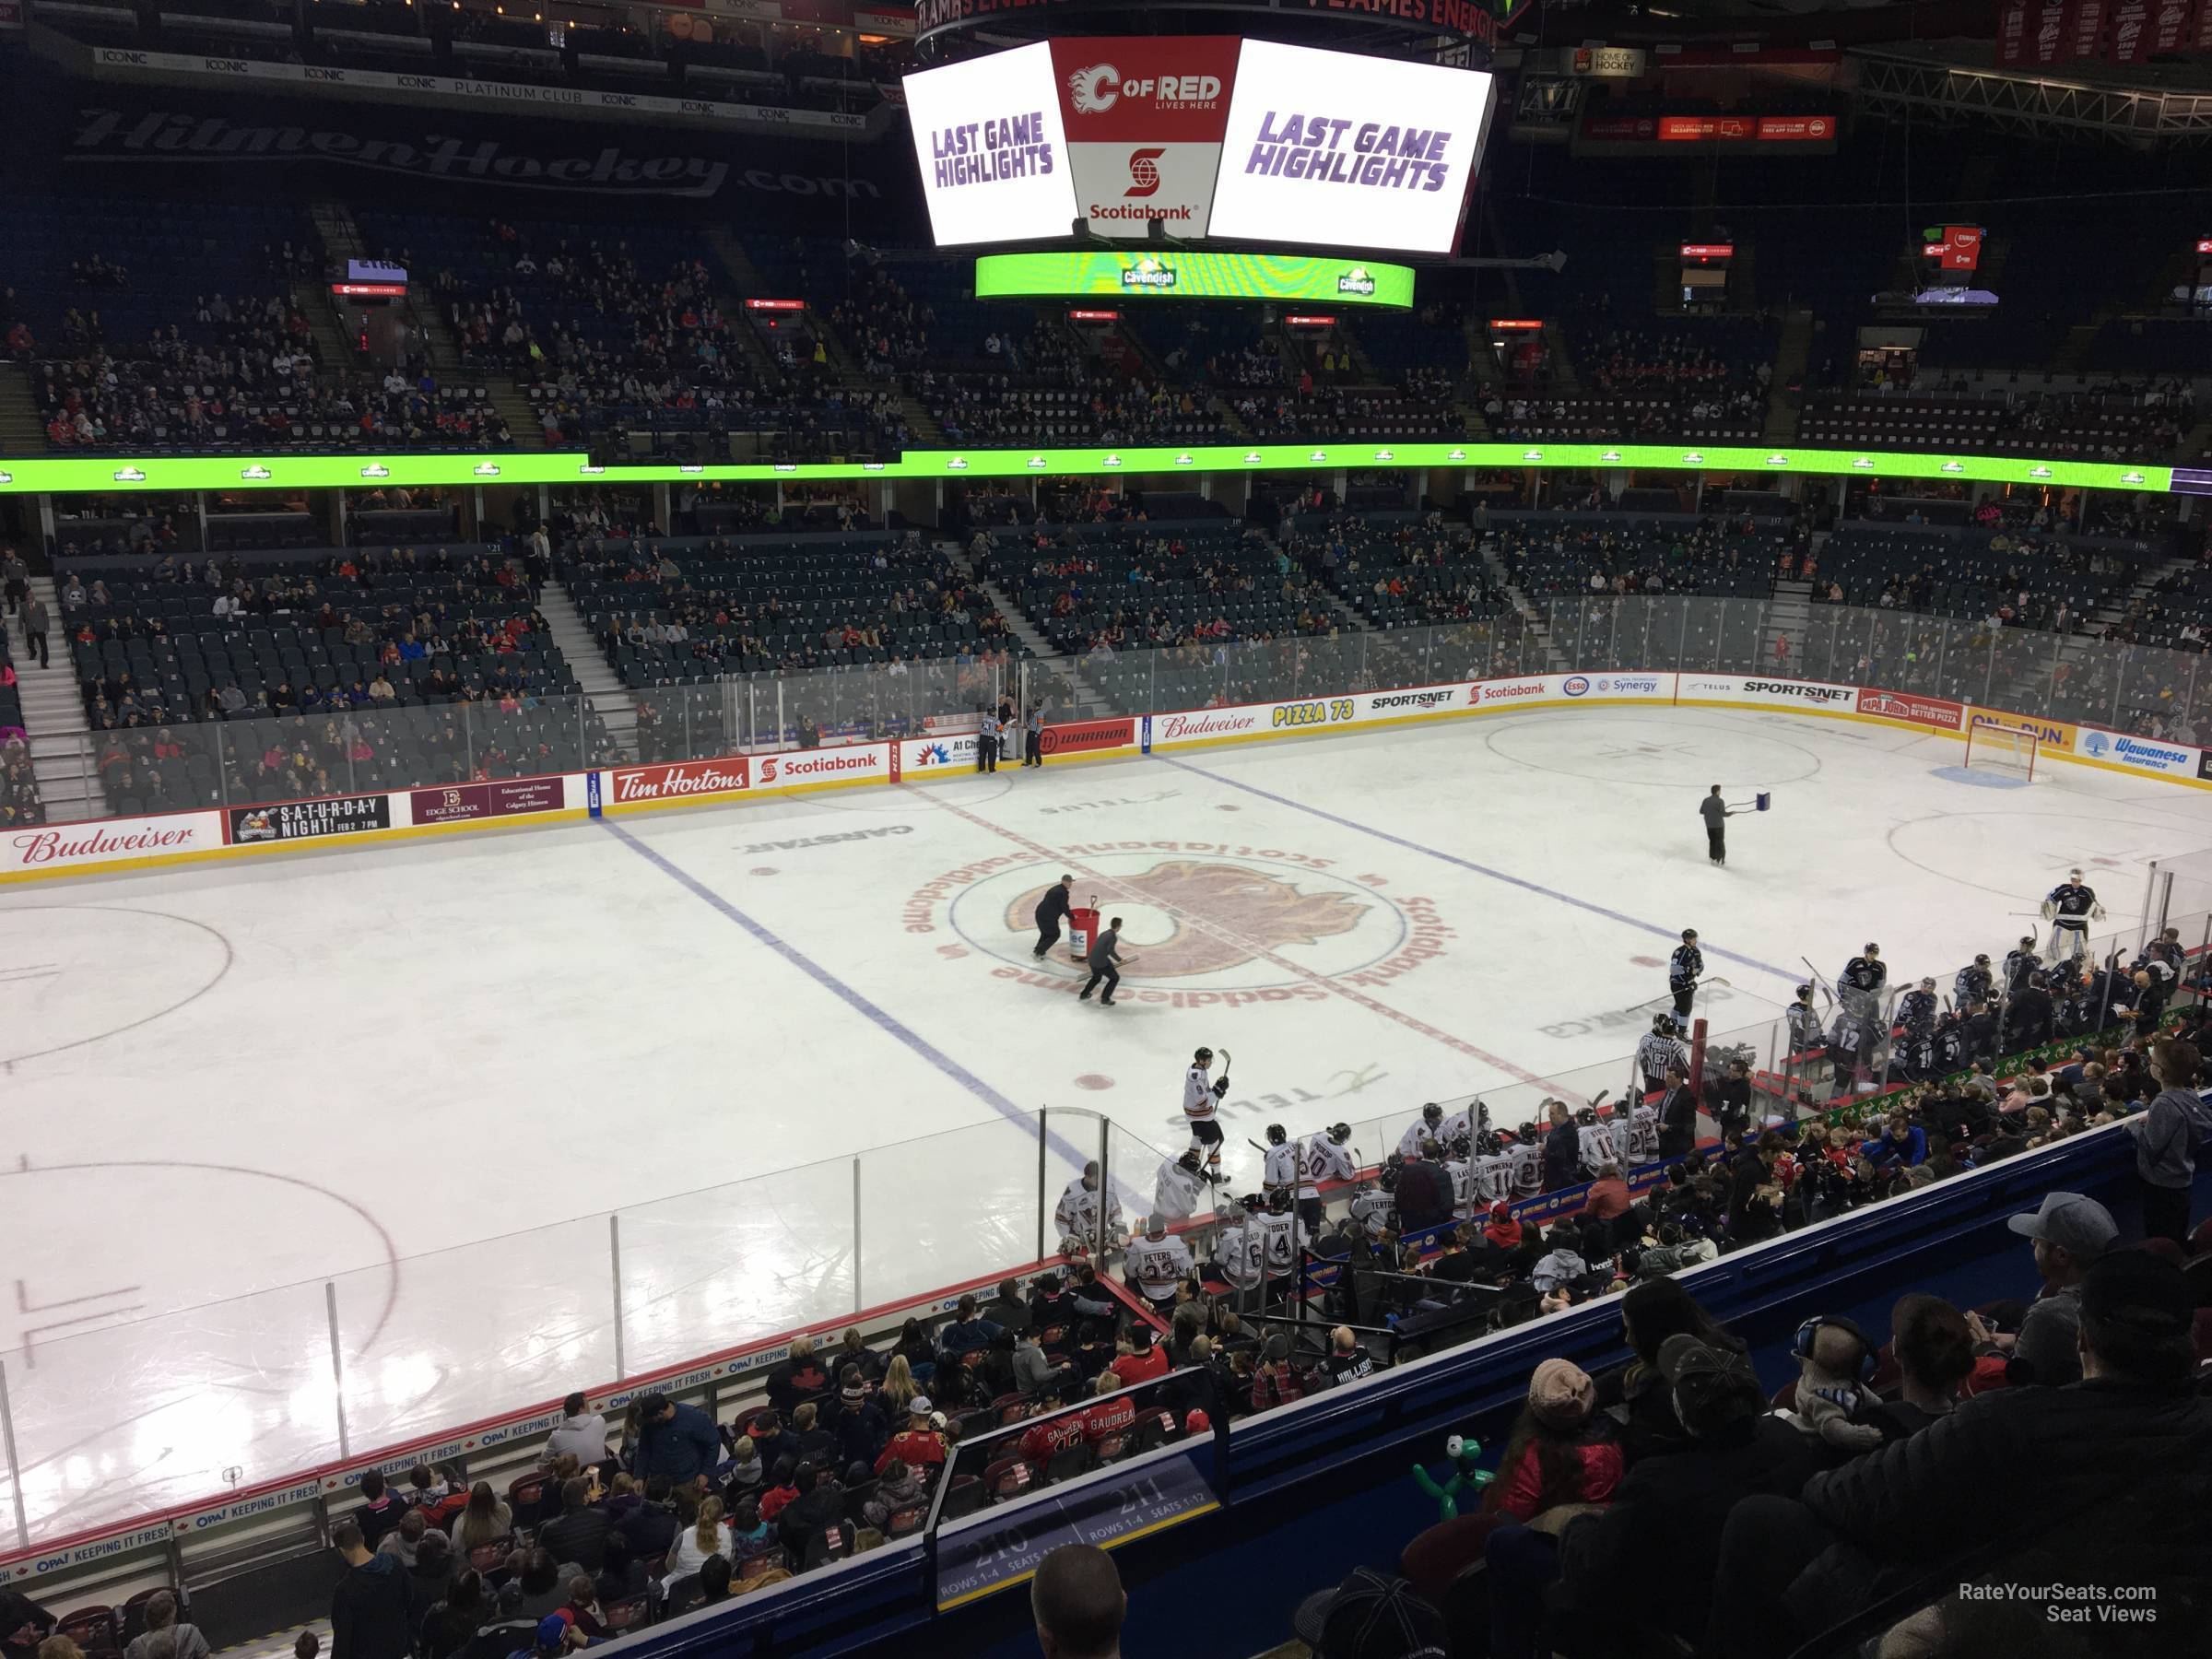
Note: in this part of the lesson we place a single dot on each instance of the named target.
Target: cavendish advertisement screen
(992, 149)
(1327, 146)
(1171, 274)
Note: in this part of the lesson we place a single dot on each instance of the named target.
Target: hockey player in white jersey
(1157, 1264)
(1180, 1186)
(1376, 1209)
(1324, 1157)
(1427, 1126)
(1081, 1211)
(1594, 1141)
(1471, 1122)
(1283, 1236)
(1492, 1170)
(2070, 908)
(1278, 1168)
(1201, 1107)
(1239, 1252)
(1527, 1156)
(1658, 1049)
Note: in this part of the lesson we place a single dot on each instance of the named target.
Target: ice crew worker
(1715, 813)
(1051, 909)
(1105, 951)
(986, 739)
(1033, 754)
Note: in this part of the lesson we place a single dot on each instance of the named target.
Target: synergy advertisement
(1201, 135)
(992, 147)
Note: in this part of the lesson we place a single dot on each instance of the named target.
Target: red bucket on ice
(1082, 927)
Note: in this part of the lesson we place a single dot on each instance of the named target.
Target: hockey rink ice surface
(406, 1086)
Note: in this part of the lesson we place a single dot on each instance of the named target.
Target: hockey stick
(1821, 980)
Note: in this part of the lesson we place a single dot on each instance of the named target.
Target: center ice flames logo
(1095, 90)
(1224, 914)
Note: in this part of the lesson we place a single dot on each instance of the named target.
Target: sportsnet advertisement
(1781, 693)
(1360, 152)
(1144, 118)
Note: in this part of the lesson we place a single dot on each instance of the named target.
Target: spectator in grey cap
(2071, 1234)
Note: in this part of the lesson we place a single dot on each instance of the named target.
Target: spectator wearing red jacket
(918, 1445)
(1139, 1360)
(1053, 1431)
(1104, 1417)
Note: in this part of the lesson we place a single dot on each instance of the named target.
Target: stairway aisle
(603, 692)
(1088, 703)
(53, 713)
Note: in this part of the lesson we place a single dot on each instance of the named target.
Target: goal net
(2003, 748)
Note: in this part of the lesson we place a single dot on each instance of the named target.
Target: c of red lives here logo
(1144, 173)
(683, 778)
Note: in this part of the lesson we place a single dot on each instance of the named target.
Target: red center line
(1205, 924)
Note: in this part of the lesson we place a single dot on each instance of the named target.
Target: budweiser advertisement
(1912, 708)
(1210, 725)
(54, 848)
(1144, 117)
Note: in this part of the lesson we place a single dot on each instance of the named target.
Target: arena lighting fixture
(82, 476)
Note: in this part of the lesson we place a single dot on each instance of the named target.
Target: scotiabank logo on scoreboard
(1143, 119)
(683, 779)
(1932, 712)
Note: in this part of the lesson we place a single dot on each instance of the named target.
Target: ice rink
(400, 1091)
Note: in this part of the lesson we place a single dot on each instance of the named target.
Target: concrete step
(604, 693)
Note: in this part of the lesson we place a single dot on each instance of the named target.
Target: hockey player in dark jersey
(2019, 963)
(1972, 984)
(1806, 1035)
(1683, 969)
(1866, 972)
(2070, 908)
(1917, 1008)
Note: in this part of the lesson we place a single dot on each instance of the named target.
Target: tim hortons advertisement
(1144, 117)
(1783, 693)
(1934, 712)
(310, 821)
(679, 780)
(460, 802)
(56, 847)
(1084, 736)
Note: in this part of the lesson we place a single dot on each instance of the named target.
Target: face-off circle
(1202, 917)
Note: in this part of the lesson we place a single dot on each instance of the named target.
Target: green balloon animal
(1463, 1453)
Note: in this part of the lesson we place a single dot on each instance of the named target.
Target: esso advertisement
(1333, 148)
(868, 761)
(2140, 753)
(56, 847)
(1144, 118)
(1935, 712)
(992, 147)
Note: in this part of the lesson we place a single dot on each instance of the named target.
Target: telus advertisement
(1326, 147)
(992, 149)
